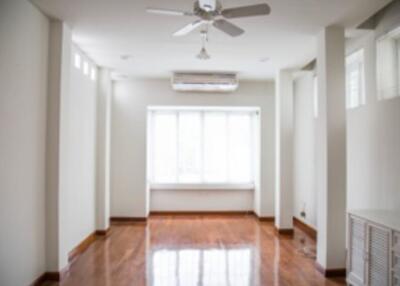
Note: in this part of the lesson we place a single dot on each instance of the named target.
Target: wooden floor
(195, 251)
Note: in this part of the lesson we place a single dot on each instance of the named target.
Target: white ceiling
(107, 29)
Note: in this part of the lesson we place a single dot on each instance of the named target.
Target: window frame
(203, 184)
(388, 51)
(315, 97)
(356, 58)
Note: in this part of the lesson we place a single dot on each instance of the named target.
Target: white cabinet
(378, 255)
(357, 251)
(373, 243)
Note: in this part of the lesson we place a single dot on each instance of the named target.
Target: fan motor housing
(207, 15)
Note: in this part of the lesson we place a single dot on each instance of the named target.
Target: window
(202, 146)
(93, 73)
(77, 61)
(388, 65)
(85, 68)
(355, 91)
(315, 96)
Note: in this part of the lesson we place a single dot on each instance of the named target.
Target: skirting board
(40, 280)
(199, 213)
(266, 218)
(128, 220)
(213, 213)
(103, 232)
(284, 231)
(58, 276)
(339, 272)
(81, 247)
(312, 232)
(52, 276)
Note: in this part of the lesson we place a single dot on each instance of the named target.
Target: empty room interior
(199, 142)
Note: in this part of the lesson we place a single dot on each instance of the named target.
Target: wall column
(284, 152)
(331, 150)
(104, 90)
(58, 90)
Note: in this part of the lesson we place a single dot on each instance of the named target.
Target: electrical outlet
(303, 212)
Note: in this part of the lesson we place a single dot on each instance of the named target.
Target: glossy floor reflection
(193, 267)
(197, 251)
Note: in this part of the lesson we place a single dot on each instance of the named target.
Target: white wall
(284, 150)
(304, 149)
(71, 146)
(202, 200)
(58, 88)
(23, 81)
(128, 148)
(330, 148)
(77, 160)
(373, 136)
(103, 133)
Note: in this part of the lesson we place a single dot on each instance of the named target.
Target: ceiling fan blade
(188, 28)
(247, 11)
(168, 12)
(228, 27)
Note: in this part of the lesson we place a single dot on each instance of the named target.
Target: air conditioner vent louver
(205, 82)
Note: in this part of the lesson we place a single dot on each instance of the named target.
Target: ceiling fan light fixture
(203, 55)
(125, 57)
(211, 12)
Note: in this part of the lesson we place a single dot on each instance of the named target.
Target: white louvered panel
(396, 263)
(396, 242)
(395, 280)
(357, 251)
(378, 258)
(358, 263)
(358, 228)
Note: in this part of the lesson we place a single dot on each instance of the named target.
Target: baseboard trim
(266, 218)
(53, 276)
(40, 280)
(58, 276)
(103, 232)
(284, 231)
(312, 232)
(120, 219)
(81, 247)
(200, 213)
(338, 272)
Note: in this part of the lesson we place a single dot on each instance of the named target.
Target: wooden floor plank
(198, 250)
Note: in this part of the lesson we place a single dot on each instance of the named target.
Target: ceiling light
(119, 76)
(125, 57)
(203, 55)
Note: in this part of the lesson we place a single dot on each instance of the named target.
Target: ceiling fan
(211, 12)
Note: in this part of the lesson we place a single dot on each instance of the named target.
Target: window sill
(226, 187)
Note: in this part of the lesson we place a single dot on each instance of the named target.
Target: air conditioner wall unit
(205, 82)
